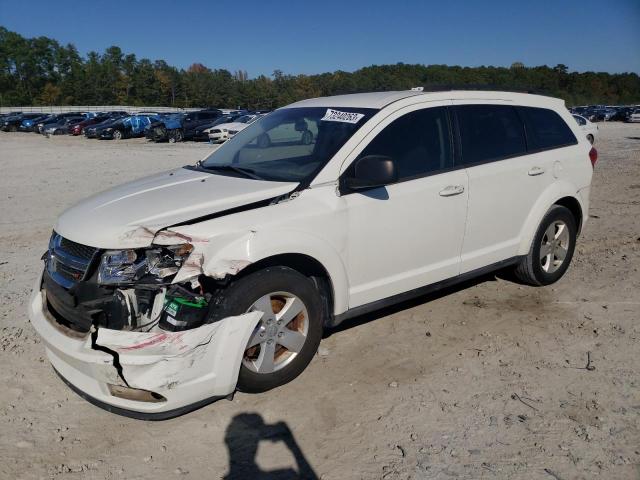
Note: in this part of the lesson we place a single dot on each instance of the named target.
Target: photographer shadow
(242, 437)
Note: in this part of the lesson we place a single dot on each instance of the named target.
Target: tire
(283, 286)
(117, 135)
(175, 136)
(307, 137)
(264, 141)
(590, 138)
(540, 269)
(13, 128)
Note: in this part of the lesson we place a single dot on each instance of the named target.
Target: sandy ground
(487, 380)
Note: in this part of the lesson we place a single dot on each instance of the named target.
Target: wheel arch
(560, 193)
(573, 205)
(306, 265)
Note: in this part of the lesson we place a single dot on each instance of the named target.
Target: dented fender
(230, 253)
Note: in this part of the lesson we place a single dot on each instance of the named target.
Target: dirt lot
(488, 380)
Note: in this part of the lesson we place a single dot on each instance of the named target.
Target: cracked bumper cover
(187, 368)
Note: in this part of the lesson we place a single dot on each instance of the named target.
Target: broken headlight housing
(154, 264)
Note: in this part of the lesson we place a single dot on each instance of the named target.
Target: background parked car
(50, 120)
(225, 131)
(126, 127)
(590, 129)
(181, 126)
(202, 132)
(63, 126)
(93, 131)
(12, 123)
(78, 128)
(634, 116)
(29, 124)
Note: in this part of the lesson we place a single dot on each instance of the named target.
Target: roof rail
(476, 87)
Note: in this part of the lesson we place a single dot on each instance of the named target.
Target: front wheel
(117, 135)
(552, 248)
(289, 332)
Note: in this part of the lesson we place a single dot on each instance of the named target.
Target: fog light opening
(135, 394)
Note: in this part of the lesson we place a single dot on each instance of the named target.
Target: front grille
(68, 272)
(67, 261)
(76, 249)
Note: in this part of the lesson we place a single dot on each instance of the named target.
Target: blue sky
(326, 35)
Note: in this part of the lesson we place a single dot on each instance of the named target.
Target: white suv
(165, 293)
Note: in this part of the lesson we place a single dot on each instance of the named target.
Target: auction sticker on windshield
(338, 116)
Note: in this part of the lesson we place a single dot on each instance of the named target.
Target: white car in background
(590, 129)
(225, 131)
(634, 116)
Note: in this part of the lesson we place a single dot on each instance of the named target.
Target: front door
(409, 234)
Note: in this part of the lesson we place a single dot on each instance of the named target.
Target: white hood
(108, 219)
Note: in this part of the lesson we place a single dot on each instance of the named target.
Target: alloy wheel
(554, 246)
(280, 335)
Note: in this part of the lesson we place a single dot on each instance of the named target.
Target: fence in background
(93, 108)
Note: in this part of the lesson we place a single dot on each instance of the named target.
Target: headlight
(152, 265)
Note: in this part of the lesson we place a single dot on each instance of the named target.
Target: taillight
(593, 156)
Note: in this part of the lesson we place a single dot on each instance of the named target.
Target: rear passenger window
(419, 143)
(546, 129)
(490, 132)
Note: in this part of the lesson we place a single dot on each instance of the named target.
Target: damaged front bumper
(148, 375)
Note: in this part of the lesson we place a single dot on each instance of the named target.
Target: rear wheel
(289, 332)
(13, 128)
(552, 248)
(307, 137)
(590, 138)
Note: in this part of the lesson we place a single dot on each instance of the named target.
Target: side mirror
(370, 172)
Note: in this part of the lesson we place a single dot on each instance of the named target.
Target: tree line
(40, 71)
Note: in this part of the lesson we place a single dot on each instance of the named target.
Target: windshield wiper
(245, 172)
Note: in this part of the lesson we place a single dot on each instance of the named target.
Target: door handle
(452, 190)
(536, 171)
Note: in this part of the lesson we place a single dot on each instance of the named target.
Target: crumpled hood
(110, 219)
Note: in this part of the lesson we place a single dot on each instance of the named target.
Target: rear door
(409, 234)
(506, 178)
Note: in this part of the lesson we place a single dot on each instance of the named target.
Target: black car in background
(180, 126)
(93, 131)
(12, 123)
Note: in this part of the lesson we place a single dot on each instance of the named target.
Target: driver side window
(418, 142)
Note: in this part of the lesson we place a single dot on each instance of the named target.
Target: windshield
(288, 145)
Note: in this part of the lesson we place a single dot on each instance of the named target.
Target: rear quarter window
(546, 129)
